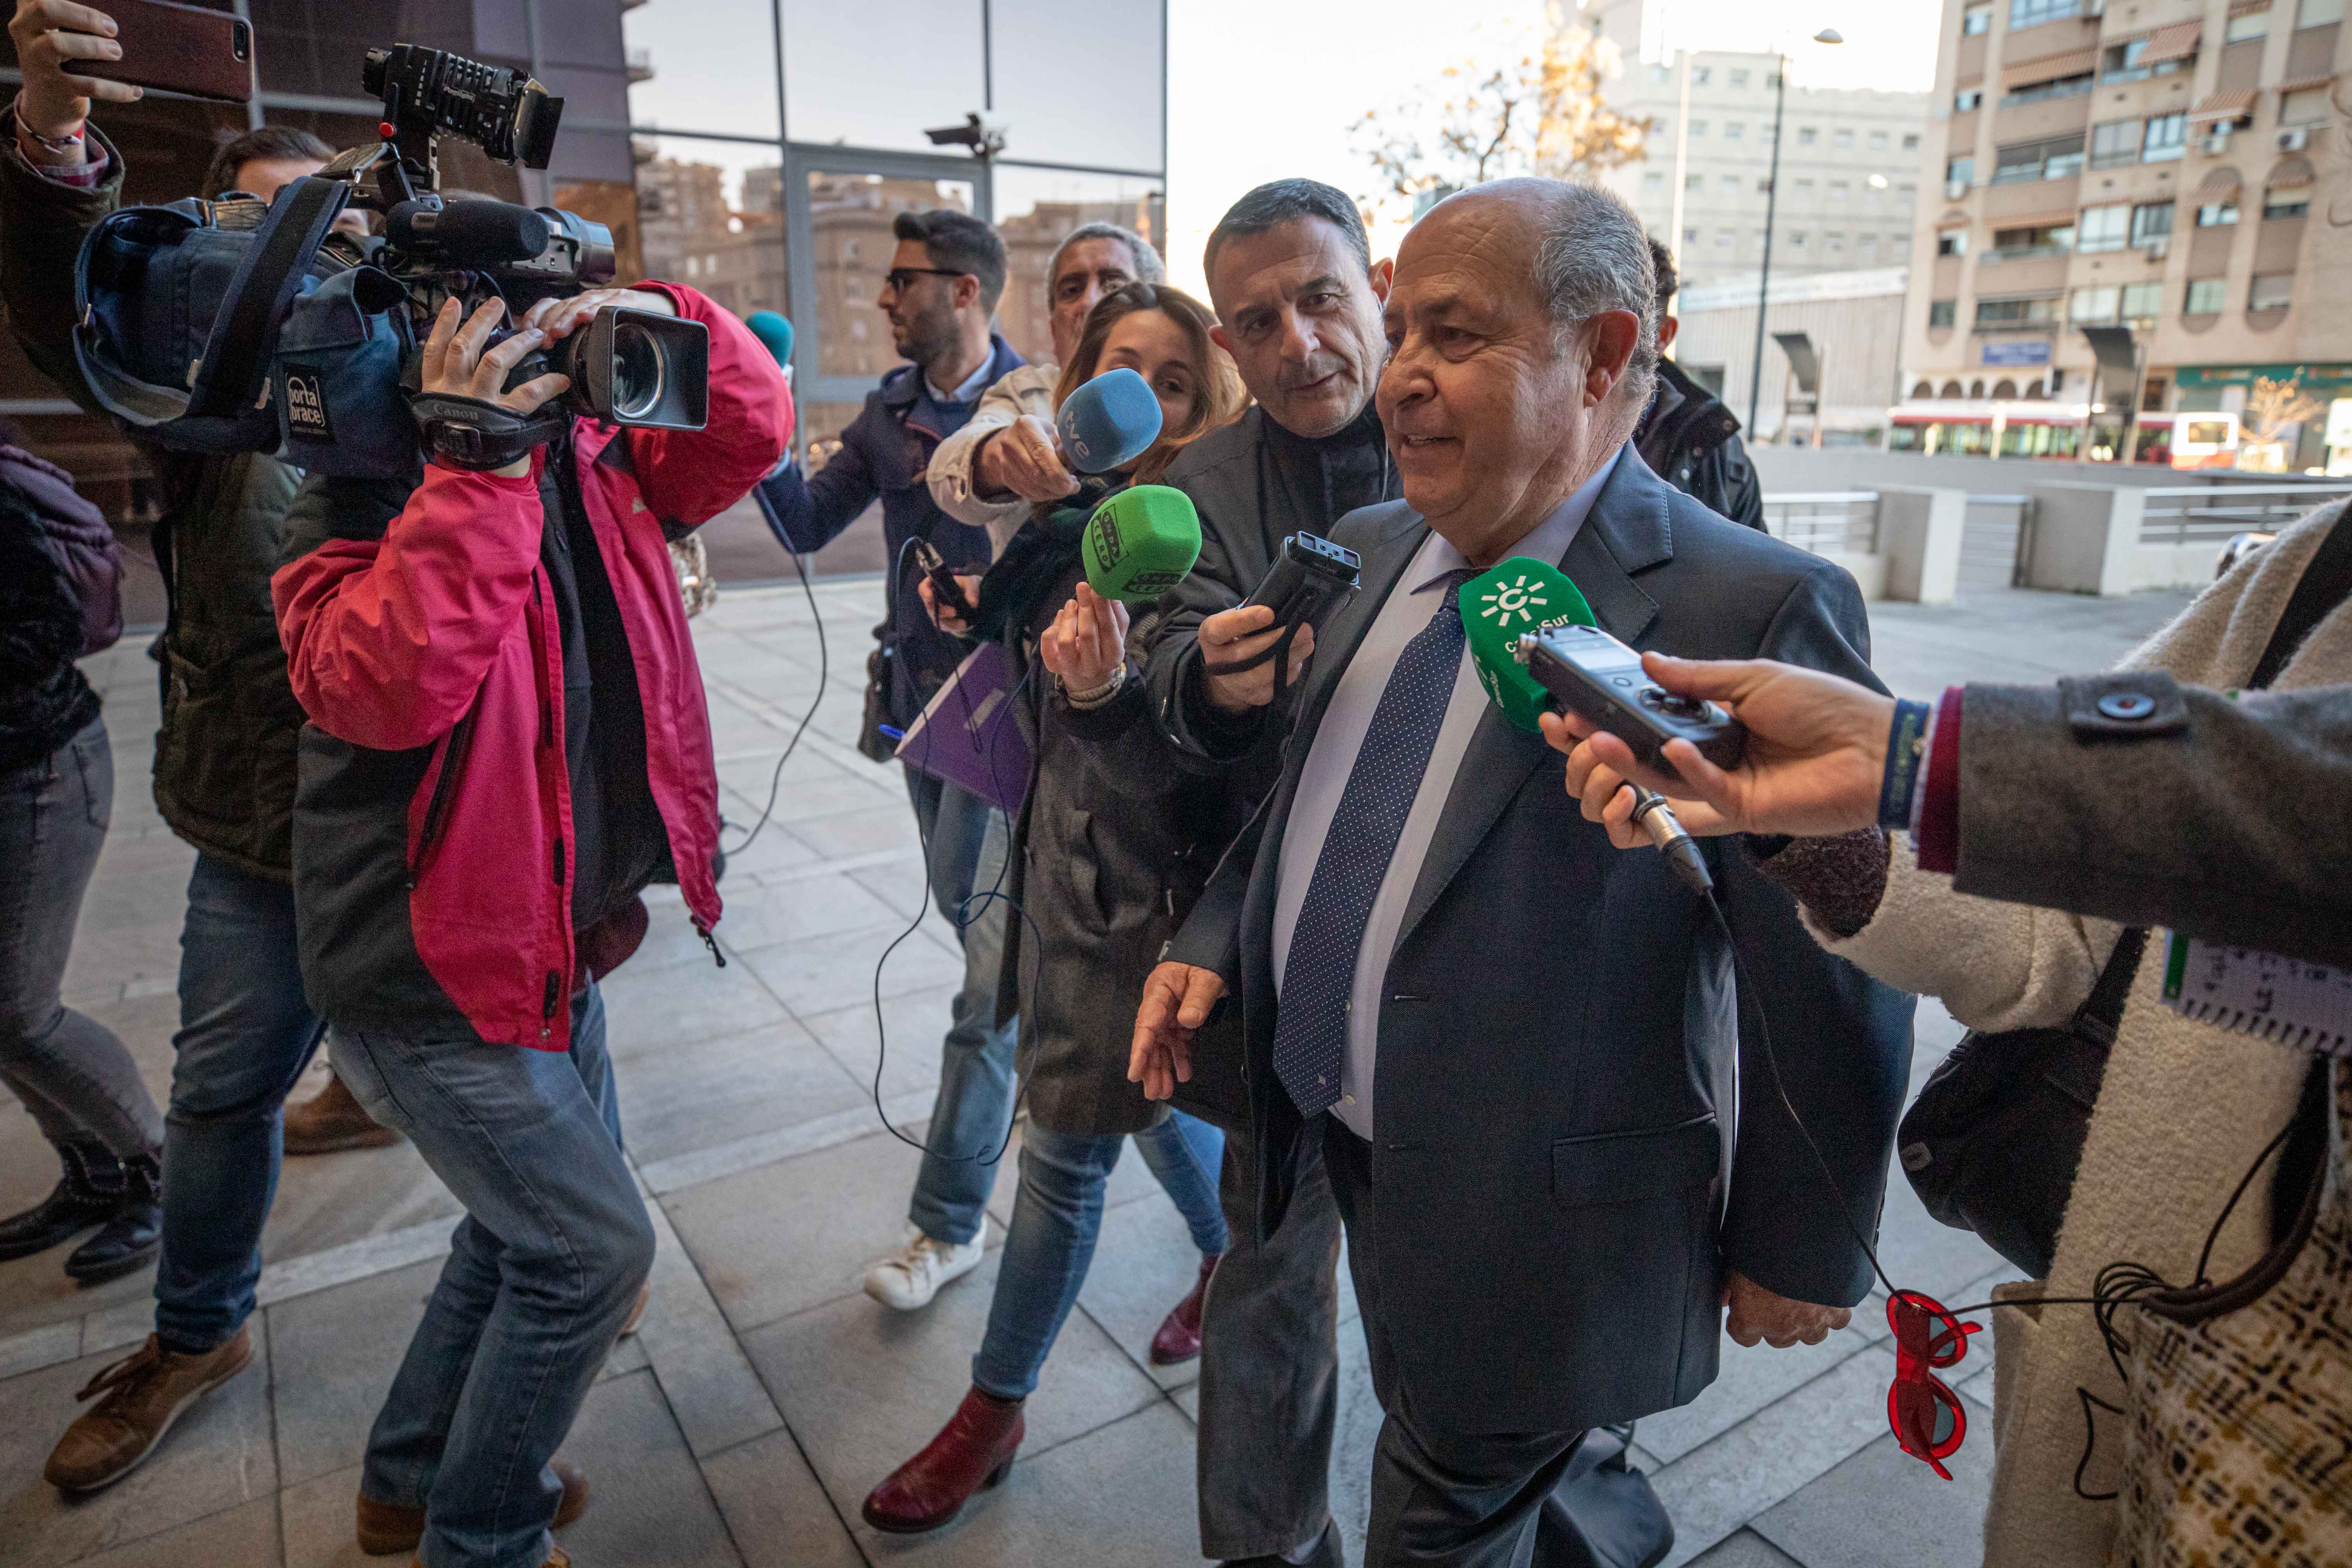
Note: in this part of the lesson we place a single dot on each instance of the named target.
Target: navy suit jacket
(1575, 1127)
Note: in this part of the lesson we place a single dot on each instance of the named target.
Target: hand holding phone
(946, 594)
(59, 47)
(109, 54)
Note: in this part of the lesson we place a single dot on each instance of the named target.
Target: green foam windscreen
(1140, 543)
(1500, 606)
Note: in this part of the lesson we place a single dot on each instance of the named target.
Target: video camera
(226, 325)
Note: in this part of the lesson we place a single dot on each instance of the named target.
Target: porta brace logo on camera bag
(306, 408)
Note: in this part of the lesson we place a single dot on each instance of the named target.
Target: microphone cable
(823, 675)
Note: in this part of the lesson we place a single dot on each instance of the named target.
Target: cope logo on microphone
(1520, 599)
(1107, 545)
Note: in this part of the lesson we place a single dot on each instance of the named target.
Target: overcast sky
(1261, 89)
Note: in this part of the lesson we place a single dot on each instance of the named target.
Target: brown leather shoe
(144, 1393)
(386, 1527)
(970, 1454)
(637, 1312)
(332, 1120)
(1178, 1339)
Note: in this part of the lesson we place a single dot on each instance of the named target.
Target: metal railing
(2211, 514)
(1825, 522)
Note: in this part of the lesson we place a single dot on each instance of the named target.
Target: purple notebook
(969, 735)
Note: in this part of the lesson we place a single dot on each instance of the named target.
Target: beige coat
(2184, 1110)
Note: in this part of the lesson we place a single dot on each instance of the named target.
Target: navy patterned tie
(1318, 975)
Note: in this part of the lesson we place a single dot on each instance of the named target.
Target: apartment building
(1850, 163)
(2138, 240)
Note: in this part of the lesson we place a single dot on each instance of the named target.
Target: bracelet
(58, 145)
(1097, 696)
(1905, 757)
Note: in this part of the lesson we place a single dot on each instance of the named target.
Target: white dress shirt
(1323, 778)
(972, 386)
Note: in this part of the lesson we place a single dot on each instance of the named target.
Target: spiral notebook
(968, 734)
(2307, 1006)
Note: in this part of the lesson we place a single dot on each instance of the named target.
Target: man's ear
(1383, 275)
(1609, 337)
(967, 292)
(1667, 326)
(1217, 336)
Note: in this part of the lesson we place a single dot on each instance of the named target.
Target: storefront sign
(2015, 354)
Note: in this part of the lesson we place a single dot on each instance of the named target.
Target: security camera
(983, 133)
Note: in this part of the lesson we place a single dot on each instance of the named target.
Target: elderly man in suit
(1551, 1122)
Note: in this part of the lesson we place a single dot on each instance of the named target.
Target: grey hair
(1148, 267)
(1594, 257)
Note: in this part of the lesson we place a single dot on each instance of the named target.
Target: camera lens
(637, 370)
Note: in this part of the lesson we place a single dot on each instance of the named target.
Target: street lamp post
(1772, 206)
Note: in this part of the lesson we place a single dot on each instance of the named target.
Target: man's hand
(1756, 1313)
(1176, 1002)
(454, 364)
(1025, 459)
(946, 619)
(1087, 644)
(1231, 636)
(563, 317)
(1816, 754)
(49, 36)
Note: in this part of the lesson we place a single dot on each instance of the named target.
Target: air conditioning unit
(1955, 189)
(2157, 249)
(2293, 141)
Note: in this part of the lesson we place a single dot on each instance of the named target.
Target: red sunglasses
(1925, 1415)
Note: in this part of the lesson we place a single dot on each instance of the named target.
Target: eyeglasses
(1927, 1415)
(898, 277)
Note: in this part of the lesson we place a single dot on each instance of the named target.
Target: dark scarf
(1033, 564)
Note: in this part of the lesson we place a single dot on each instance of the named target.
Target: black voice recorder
(1602, 681)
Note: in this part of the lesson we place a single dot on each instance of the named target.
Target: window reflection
(850, 248)
(1035, 208)
(711, 214)
(702, 65)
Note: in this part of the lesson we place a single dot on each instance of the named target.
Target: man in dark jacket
(224, 760)
(507, 743)
(940, 294)
(1299, 298)
(1687, 437)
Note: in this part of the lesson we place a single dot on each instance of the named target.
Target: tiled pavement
(764, 1394)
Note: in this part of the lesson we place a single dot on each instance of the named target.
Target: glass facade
(769, 167)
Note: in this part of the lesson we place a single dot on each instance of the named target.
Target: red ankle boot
(970, 1454)
(1178, 1339)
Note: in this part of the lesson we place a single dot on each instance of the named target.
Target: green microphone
(1500, 606)
(1140, 543)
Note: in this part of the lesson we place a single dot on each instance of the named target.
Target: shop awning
(2223, 106)
(1955, 218)
(2112, 347)
(2049, 67)
(2248, 7)
(2031, 220)
(2301, 83)
(2217, 186)
(2176, 42)
(2289, 174)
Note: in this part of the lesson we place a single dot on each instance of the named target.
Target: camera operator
(508, 742)
(224, 757)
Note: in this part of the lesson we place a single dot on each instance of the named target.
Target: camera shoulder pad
(480, 435)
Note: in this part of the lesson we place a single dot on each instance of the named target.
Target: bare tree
(2272, 406)
(1532, 107)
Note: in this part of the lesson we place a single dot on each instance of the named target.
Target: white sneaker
(911, 1276)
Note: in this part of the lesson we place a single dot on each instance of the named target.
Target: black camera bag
(1994, 1139)
(336, 378)
(176, 318)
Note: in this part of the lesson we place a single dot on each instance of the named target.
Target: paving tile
(1187, 1400)
(648, 1503)
(246, 1533)
(1353, 1434)
(335, 1353)
(1745, 1550)
(1715, 1490)
(1883, 1506)
(716, 1398)
(888, 825)
(219, 1456)
(1122, 1498)
(37, 1348)
(315, 1522)
(1920, 1253)
(329, 1201)
(683, 1170)
(864, 1387)
(681, 1098)
(678, 1005)
(912, 1028)
(104, 962)
(778, 1514)
(1750, 1379)
(823, 905)
(824, 973)
(784, 1237)
(1143, 1265)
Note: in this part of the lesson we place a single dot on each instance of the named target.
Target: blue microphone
(1108, 422)
(774, 333)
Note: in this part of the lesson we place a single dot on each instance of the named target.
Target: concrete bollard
(1919, 531)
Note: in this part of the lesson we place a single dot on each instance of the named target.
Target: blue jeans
(245, 1035)
(541, 1274)
(72, 1072)
(1054, 1225)
(967, 838)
